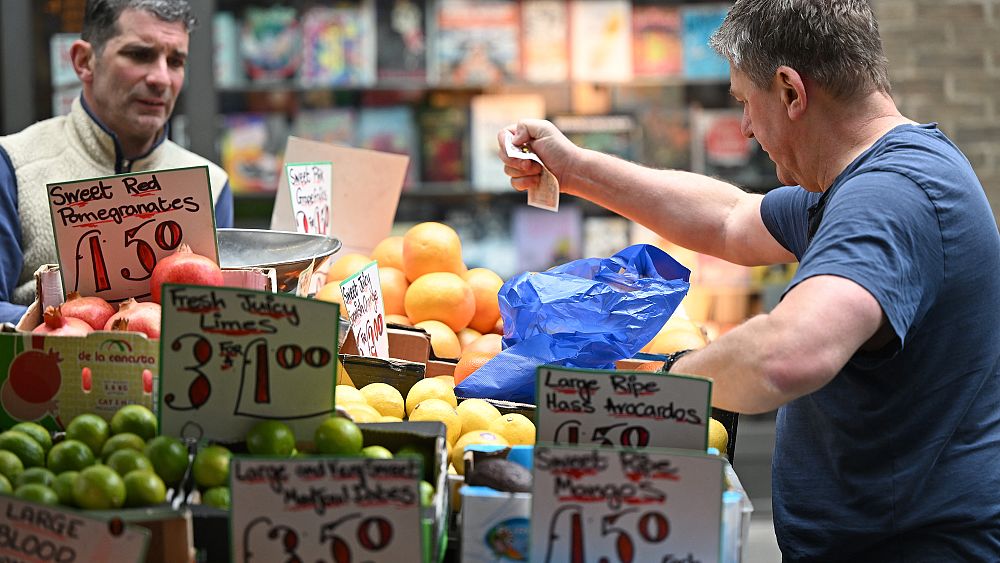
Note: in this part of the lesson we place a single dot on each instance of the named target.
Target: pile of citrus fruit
(97, 465)
(426, 284)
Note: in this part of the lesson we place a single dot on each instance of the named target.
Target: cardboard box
(171, 537)
(405, 343)
(488, 513)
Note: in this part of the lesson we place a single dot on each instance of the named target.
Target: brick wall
(944, 61)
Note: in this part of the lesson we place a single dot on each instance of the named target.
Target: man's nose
(158, 74)
(745, 127)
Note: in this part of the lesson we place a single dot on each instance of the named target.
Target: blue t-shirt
(898, 457)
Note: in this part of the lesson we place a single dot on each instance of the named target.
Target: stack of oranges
(426, 284)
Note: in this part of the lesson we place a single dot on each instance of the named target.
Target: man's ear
(792, 90)
(82, 55)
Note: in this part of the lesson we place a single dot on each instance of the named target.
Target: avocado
(500, 474)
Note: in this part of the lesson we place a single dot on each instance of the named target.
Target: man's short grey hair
(100, 20)
(835, 43)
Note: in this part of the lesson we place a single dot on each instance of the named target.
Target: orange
(98, 487)
(485, 285)
(655, 365)
(331, 292)
(467, 335)
(347, 265)
(444, 341)
(136, 419)
(169, 457)
(271, 437)
(498, 328)
(398, 319)
(441, 296)
(338, 436)
(394, 285)
(144, 488)
(431, 247)
(389, 252)
(489, 342)
(675, 339)
(210, 467)
(470, 362)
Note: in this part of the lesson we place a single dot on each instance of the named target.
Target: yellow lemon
(440, 411)
(390, 419)
(430, 388)
(516, 428)
(476, 414)
(385, 399)
(471, 438)
(718, 437)
(361, 412)
(345, 394)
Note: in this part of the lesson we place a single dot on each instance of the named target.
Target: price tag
(111, 231)
(546, 195)
(35, 532)
(622, 408)
(615, 505)
(362, 294)
(230, 357)
(326, 509)
(309, 186)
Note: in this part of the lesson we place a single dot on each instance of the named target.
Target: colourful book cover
(600, 40)
(719, 149)
(544, 239)
(612, 134)
(251, 151)
(391, 129)
(444, 139)
(477, 42)
(666, 137)
(401, 32)
(271, 43)
(226, 62)
(327, 125)
(489, 114)
(700, 61)
(545, 40)
(338, 46)
(603, 236)
(656, 41)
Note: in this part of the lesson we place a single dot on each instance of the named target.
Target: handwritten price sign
(325, 509)
(34, 532)
(111, 231)
(362, 294)
(613, 505)
(309, 186)
(230, 357)
(622, 408)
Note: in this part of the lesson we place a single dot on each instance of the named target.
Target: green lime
(376, 452)
(36, 431)
(5, 487)
(89, 429)
(39, 475)
(10, 465)
(426, 493)
(216, 496)
(136, 419)
(36, 492)
(425, 456)
(169, 457)
(211, 466)
(144, 488)
(63, 486)
(24, 447)
(127, 460)
(339, 436)
(125, 440)
(271, 437)
(98, 487)
(70, 455)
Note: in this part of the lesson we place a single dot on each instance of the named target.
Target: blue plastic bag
(586, 313)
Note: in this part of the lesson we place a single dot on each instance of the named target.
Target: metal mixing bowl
(287, 252)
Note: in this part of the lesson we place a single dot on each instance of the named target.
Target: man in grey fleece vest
(130, 60)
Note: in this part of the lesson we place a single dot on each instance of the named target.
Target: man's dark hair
(100, 20)
(833, 42)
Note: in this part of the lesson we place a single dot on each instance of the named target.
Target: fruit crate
(211, 525)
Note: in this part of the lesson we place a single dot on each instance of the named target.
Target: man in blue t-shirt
(883, 356)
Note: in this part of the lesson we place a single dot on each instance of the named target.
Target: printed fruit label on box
(607, 504)
(326, 509)
(52, 379)
(233, 357)
(111, 231)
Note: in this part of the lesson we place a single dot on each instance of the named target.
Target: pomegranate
(92, 310)
(136, 317)
(57, 324)
(184, 266)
